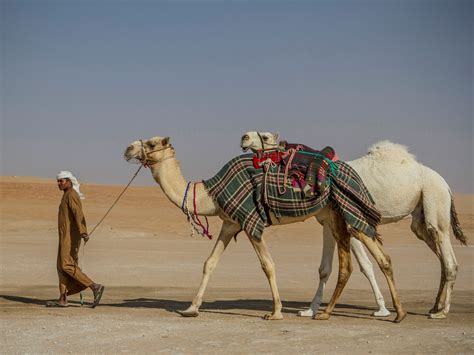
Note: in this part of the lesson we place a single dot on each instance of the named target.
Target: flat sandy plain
(151, 267)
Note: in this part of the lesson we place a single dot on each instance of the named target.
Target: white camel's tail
(458, 232)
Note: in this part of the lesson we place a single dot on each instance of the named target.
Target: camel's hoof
(438, 315)
(435, 309)
(400, 316)
(322, 316)
(273, 316)
(306, 313)
(381, 313)
(189, 313)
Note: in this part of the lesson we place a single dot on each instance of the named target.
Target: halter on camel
(146, 161)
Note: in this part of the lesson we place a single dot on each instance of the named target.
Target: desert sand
(151, 267)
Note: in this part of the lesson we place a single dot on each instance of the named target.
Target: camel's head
(258, 140)
(150, 151)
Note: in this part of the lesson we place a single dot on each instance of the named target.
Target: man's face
(63, 184)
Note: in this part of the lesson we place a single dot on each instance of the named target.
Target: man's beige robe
(71, 224)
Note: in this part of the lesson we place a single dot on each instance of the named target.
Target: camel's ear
(276, 135)
(165, 141)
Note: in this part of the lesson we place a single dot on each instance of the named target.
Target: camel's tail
(458, 232)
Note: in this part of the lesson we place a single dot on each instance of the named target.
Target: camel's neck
(170, 178)
(168, 175)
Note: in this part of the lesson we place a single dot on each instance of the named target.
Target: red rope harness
(259, 159)
(205, 230)
(292, 153)
(274, 157)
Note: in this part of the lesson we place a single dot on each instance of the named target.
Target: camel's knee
(366, 270)
(325, 271)
(345, 270)
(433, 232)
(344, 275)
(451, 272)
(349, 268)
(268, 268)
(387, 268)
(209, 266)
(386, 265)
(365, 266)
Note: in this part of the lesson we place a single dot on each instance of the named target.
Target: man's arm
(76, 208)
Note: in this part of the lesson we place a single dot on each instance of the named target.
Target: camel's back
(393, 177)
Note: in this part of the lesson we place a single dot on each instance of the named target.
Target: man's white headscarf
(75, 183)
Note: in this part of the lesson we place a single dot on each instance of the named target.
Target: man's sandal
(56, 304)
(98, 296)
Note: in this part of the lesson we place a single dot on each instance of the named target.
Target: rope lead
(81, 294)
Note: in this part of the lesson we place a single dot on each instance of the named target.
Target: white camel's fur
(400, 186)
(160, 156)
(258, 141)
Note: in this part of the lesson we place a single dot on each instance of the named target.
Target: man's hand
(85, 236)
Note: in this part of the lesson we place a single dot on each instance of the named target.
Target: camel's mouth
(130, 159)
(244, 148)
(133, 155)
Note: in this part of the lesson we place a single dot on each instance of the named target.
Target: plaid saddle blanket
(244, 192)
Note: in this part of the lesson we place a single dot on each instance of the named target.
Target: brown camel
(159, 155)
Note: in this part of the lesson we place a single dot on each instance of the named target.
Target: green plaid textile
(238, 189)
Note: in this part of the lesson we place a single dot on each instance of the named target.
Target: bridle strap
(146, 161)
(261, 140)
(263, 143)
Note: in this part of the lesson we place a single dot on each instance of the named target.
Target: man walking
(72, 228)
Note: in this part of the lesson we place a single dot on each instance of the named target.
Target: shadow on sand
(36, 301)
(230, 307)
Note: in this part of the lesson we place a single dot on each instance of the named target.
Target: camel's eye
(265, 138)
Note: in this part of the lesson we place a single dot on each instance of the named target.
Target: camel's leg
(441, 295)
(418, 227)
(438, 224)
(366, 267)
(385, 265)
(329, 244)
(432, 223)
(338, 227)
(423, 234)
(228, 230)
(268, 267)
(449, 272)
(325, 268)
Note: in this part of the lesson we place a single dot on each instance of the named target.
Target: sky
(81, 79)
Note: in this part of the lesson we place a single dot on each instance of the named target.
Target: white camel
(400, 186)
(159, 155)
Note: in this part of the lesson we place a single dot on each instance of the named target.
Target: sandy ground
(152, 267)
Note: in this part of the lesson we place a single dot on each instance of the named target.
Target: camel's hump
(390, 150)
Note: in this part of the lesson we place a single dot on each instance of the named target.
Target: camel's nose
(129, 149)
(245, 137)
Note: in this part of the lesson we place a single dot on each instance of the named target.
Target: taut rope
(116, 200)
(105, 215)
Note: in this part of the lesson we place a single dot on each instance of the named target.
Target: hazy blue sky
(82, 79)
